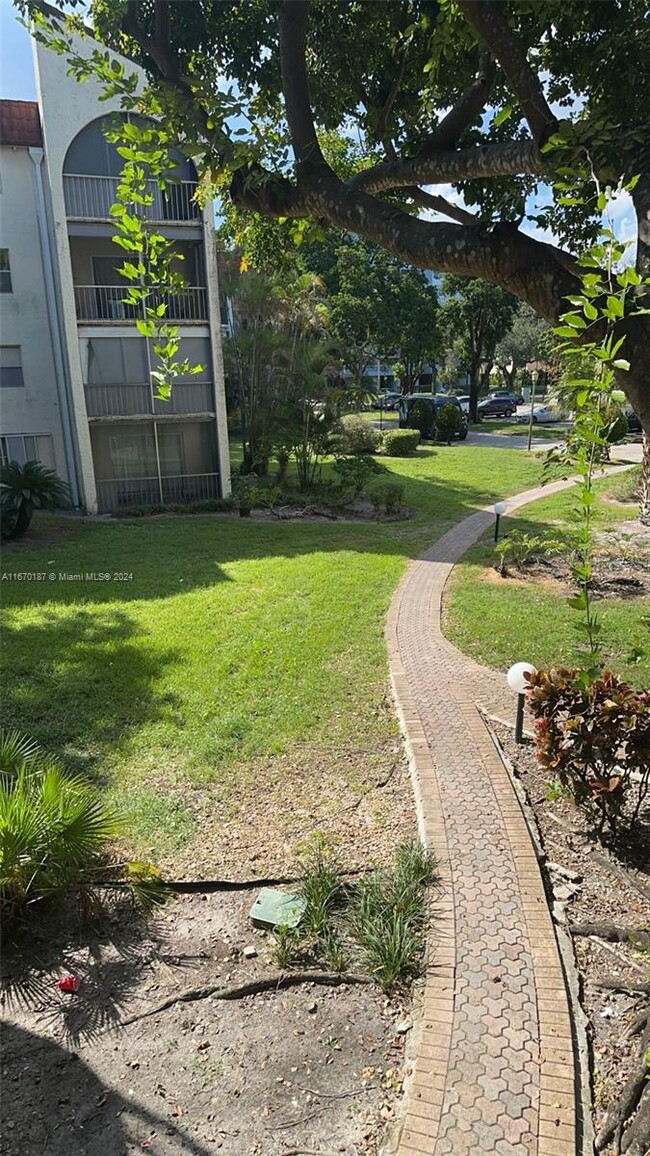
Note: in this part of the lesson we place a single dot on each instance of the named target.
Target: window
(23, 448)
(134, 455)
(11, 368)
(5, 272)
(116, 361)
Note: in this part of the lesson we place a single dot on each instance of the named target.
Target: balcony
(90, 199)
(108, 303)
(117, 493)
(136, 400)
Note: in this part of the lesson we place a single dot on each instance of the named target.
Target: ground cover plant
(500, 621)
(228, 647)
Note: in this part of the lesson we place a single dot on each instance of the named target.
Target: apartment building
(75, 385)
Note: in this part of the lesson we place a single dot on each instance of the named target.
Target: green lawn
(234, 640)
(502, 621)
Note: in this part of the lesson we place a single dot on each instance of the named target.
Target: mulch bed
(592, 884)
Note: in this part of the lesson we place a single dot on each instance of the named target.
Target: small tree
(422, 417)
(449, 421)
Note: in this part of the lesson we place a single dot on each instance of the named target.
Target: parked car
(386, 401)
(517, 398)
(542, 414)
(633, 423)
(436, 401)
(464, 402)
(496, 407)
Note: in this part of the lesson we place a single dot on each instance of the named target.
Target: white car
(464, 403)
(542, 414)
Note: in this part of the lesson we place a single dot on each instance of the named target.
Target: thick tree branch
(465, 112)
(478, 162)
(500, 254)
(441, 205)
(294, 18)
(489, 21)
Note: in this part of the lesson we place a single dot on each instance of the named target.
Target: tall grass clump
(389, 915)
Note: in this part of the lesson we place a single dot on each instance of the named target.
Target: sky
(17, 83)
(16, 67)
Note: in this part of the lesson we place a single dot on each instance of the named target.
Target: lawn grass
(500, 622)
(233, 640)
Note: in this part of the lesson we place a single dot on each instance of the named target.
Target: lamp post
(499, 509)
(518, 677)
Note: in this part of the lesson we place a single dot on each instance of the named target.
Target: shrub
(24, 489)
(398, 443)
(354, 472)
(205, 506)
(520, 548)
(422, 417)
(594, 738)
(385, 495)
(359, 436)
(449, 421)
(53, 826)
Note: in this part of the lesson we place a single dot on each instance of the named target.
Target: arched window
(93, 164)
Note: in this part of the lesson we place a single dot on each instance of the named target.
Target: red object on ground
(69, 983)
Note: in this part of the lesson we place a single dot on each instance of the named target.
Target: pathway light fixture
(518, 680)
(499, 509)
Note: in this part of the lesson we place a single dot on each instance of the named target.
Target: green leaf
(503, 115)
(621, 363)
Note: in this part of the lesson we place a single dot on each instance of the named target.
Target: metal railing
(118, 493)
(108, 303)
(135, 400)
(91, 198)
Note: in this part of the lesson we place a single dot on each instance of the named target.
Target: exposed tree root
(638, 937)
(627, 1120)
(627, 988)
(277, 982)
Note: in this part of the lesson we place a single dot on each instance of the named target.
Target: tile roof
(20, 124)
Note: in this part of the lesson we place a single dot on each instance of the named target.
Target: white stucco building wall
(34, 408)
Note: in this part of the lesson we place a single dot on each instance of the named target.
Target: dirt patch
(621, 569)
(601, 886)
(311, 1069)
(362, 802)
(50, 531)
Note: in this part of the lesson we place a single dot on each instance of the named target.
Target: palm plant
(53, 826)
(24, 489)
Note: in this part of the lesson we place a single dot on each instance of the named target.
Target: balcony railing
(116, 493)
(136, 400)
(108, 303)
(90, 199)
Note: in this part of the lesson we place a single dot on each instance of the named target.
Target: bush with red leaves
(594, 737)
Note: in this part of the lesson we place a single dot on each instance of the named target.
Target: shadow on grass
(80, 684)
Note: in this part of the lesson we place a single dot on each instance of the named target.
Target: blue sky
(16, 68)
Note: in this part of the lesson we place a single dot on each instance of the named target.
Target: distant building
(75, 374)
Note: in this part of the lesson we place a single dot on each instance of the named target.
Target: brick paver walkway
(495, 1063)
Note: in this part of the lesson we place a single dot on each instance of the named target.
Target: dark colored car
(633, 423)
(386, 401)
(436, 401)
(496, 407)
(518, 398)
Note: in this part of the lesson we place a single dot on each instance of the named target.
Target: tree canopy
(500, 100)
(474, 318)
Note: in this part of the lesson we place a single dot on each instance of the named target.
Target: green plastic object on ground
(277, 909)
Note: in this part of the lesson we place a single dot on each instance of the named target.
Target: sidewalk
(495, 1063)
